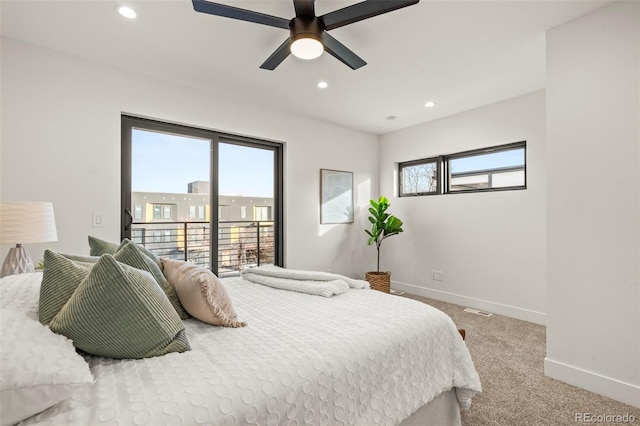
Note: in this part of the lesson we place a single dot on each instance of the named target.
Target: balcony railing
(241, 244)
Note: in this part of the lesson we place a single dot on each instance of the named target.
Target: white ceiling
(461, 54)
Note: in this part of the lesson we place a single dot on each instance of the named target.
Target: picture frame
(336, 196)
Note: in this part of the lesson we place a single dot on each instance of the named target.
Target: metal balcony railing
(241, 244)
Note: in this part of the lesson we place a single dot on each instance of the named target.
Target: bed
(361, 358)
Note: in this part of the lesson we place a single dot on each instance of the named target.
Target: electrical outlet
(434, 274)
(440, 276)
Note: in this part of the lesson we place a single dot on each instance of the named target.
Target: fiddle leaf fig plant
(383, 224)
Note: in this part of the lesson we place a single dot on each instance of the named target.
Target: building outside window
(501, 167)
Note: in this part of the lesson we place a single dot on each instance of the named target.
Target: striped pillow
(98, 247)
(60, 278)
(151, 255)
(121, 312)
(131, 254)
(80, 258)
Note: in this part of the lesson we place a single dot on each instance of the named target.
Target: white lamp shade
(24, 222)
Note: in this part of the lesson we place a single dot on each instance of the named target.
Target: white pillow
(38, 368)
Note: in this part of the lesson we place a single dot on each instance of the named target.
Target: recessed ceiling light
(127, 12)
(430, 104)
(323, 84)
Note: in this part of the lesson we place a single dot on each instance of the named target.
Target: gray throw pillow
(120, 312)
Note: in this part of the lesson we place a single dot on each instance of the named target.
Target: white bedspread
(363, 358)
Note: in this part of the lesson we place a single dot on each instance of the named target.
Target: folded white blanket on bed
(310, 282)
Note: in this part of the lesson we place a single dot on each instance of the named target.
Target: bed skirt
(442, 411)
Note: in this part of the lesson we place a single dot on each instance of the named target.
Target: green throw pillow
(131, 254)
(80, 258)
(121, 312)
(151, 255)
(98, 247)
(60, 278)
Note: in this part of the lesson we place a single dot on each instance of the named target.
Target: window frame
(475, 152)
(128, 122)
(401, 166)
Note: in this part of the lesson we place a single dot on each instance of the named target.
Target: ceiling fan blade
(304, 7)
(241, 14)
(277, 57)
(341, 52)
(364, 10)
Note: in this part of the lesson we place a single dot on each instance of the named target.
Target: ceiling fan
(308, 32)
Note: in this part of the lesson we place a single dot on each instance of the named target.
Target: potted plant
(383, 225)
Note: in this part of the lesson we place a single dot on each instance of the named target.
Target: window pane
(166, 174)
(493, 168)
(419, 177)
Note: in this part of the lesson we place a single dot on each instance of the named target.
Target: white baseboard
(602, 385)
(485, 305)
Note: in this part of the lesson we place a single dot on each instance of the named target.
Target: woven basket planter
(380, 281)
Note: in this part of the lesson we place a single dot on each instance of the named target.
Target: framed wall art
(336, 196)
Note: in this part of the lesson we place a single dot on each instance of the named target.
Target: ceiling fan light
(306, 48)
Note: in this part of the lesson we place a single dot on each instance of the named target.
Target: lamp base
(18, 261)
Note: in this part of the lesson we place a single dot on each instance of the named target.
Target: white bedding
(363, 358)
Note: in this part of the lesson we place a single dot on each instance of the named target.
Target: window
(193, 167)
(137, 211)
(161, 211)
(488, 169)
(243, 212)
(496, 168)
(261, 213)
(420, 177)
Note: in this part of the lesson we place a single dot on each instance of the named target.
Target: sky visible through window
(510, 158)
(168, 163)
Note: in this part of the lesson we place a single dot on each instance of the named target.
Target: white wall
(61, 143)
(593, 232)
(490, 246)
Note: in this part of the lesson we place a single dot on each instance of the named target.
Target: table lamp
(24, 222)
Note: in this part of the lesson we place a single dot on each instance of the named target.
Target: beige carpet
(509, 356)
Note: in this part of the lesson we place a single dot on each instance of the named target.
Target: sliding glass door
(203, 196)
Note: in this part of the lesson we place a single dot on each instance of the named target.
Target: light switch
(98, 220)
